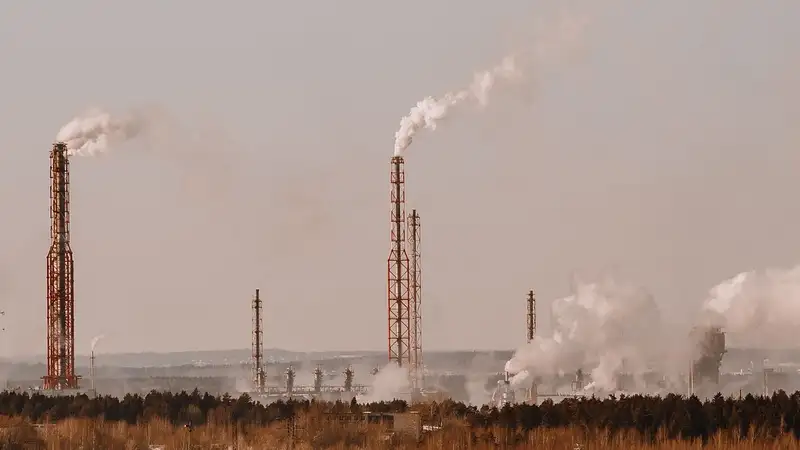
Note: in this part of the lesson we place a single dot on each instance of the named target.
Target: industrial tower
(91, 372)
(258, 344)
(531, 315)
(531, 328)
(348, 379)
(415, 300)
(60, 279)
(398, 277)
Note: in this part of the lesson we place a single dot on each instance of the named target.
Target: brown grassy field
(95, 434)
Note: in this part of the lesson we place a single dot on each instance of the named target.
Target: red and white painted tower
(415, 299)
(60, 279)
(398, 276)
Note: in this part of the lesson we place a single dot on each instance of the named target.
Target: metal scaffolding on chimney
(415, 300)
(60, 279)
(398, 276)
(533, 390)
(258, 344)
(531, 315)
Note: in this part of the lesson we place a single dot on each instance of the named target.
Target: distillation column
(415, 301)
(258, 344)
(398, 277)
(531, 329)
(60, 280)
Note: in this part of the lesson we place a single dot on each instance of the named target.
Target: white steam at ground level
(608, 328)
(390, 383)
(604, 328)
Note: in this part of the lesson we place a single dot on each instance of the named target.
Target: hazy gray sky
(665, 153)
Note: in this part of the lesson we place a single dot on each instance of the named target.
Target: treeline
(669, 417)
(177, 408)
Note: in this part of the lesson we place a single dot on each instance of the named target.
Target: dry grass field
(73, 434)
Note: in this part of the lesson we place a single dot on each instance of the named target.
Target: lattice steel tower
(531, 315)
(532, 393)
(258, 344)
(398, 277)
(415, 300)
(60, 279)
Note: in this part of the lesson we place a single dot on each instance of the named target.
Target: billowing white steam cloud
(430, 110)
(602, 329)
(763, 306)
(96, 130)
(390, 383)
(608, 328)
(550, 44)
(95, 340)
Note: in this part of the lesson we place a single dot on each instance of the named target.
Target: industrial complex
(433, 376)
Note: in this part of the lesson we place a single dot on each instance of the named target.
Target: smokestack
(348, 379)
(258, 344)
(318, 380)
(415, 301)
(398, 277)
(60, 279)
(91, 369)
(531, 316)
(533, 390)
(289, 380)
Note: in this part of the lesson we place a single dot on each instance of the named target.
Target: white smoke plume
(96, 130)
(603, 328)
(759, 307)
(95, 340)
(390, 383)
(428, 112)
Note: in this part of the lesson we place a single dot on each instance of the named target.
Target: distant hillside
(211, 357)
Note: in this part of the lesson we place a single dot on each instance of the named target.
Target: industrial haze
(665, 154)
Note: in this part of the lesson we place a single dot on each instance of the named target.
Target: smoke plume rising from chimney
(96, 130)
(95, 340)
(429, 111)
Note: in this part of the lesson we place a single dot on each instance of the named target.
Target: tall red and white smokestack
(60, 279)
(415, 300)
(398, 275)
